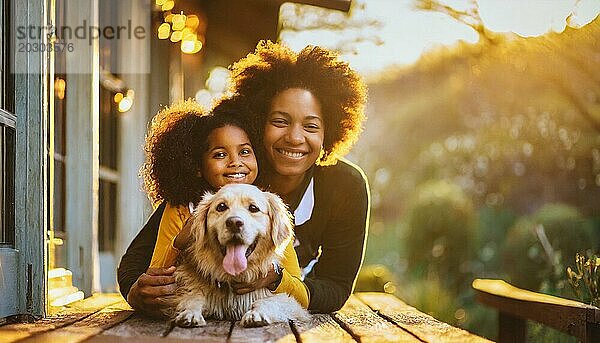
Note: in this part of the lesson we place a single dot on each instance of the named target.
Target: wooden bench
(516, 305)
(366, 317)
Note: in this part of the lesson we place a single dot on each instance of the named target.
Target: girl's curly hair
(273, 68)
(176, 141)
(173, 154)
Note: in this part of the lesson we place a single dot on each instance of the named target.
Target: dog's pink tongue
(235, 259)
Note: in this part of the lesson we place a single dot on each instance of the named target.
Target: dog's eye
(253, 208)
(221, 207)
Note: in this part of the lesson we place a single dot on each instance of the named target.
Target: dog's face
(242, 225)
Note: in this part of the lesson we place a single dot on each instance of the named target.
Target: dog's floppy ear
(281, 222)
(199, 217)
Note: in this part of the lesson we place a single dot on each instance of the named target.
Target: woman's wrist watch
(279, 272)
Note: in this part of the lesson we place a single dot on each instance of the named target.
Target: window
(109, 176)
(7, 177)
(7, 134)
(58, 254)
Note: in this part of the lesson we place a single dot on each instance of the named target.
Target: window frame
(7, 178)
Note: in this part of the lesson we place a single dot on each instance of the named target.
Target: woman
(308, 109)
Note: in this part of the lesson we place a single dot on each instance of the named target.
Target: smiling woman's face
(294, 132)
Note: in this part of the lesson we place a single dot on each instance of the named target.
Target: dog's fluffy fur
(262, 228)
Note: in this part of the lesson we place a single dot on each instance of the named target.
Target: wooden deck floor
(366, 317)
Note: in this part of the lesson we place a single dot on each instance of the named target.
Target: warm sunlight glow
(187, 46)
(67, 299)
(160, 2)
(168, 5)
(192, 21)
(197, 46)
(204, 98)
(179, 22)
(585, 12)
(405, 33)
(176, 36)
(59, 88)
(526, 18)
(164, 31)
(218, 80)
(118, 97)
(125, 104)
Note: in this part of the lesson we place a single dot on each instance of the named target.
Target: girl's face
(229, 157)
(294, 132)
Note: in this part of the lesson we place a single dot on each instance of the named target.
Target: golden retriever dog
(238, 233)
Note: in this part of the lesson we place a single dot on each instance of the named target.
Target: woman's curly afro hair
(273, 68)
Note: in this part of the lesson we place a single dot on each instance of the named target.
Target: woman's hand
(266, 282)
(146, 294)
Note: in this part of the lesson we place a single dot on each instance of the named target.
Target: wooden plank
(367, 326)
(86, 328)
(279, 332)
(569, 316)
(125, 339)
(504, 289)
(139, 325)
(321, 328)
(31, 160)
(71, 314)
(423, 326)
(214, 331)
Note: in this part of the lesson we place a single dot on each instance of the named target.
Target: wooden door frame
(31, 160)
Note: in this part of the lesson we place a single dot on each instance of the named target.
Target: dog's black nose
(234, 224)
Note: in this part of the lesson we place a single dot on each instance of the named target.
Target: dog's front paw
(255, 318)
(190, 318)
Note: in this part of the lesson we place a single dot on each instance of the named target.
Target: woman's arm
(343, 241)
(139, 253)
(144, 287)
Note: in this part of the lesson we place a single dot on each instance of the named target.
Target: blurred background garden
(483, 152)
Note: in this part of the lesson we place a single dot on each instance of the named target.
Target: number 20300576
(36, 47)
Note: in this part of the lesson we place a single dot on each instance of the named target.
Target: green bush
(539, 247)
(492, 226)
(441, 233)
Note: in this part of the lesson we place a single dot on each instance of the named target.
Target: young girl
(189, 153)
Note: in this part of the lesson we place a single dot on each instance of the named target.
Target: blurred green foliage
(539, 247)
(484, 161)
(441, 233)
